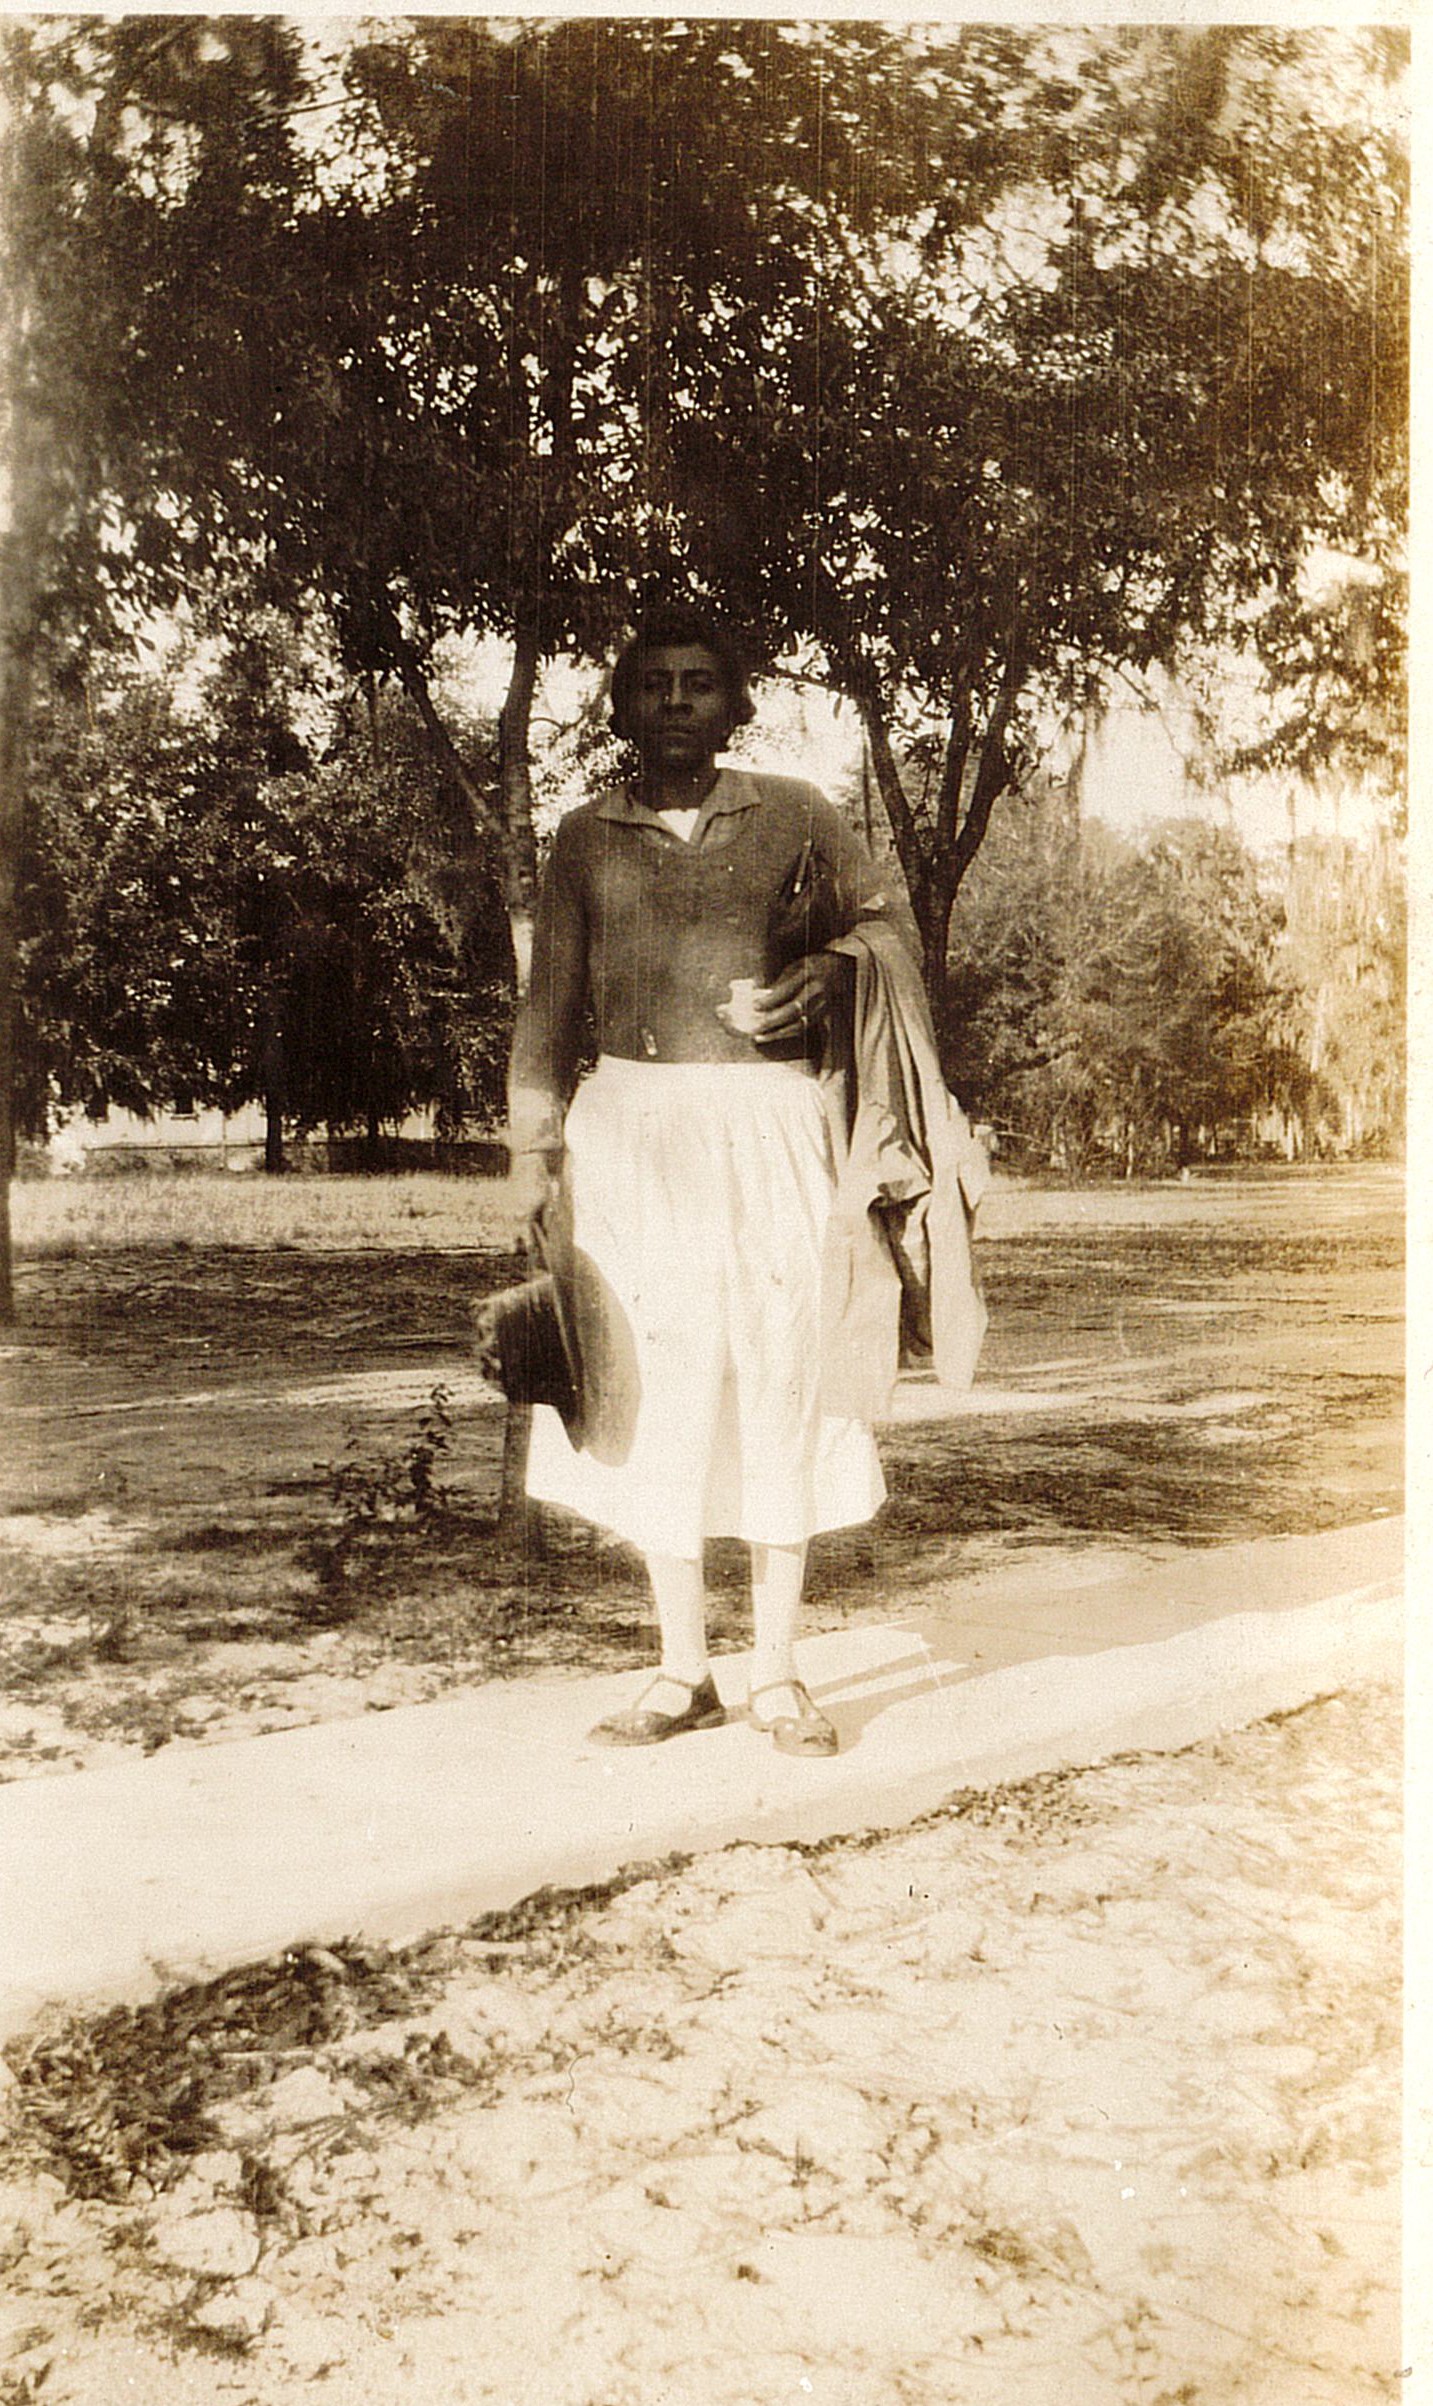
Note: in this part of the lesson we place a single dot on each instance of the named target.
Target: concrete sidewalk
(114, 1882)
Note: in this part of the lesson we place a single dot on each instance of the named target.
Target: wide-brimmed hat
(525, 1337)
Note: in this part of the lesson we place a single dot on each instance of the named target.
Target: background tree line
(236, 888)
(1138, 1005)
(979, 363)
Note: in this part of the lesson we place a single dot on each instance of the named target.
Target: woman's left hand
(800, 998)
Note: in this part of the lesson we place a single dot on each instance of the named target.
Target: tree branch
(994, 773)
(888, 776)
(952, 779)
(480, 824)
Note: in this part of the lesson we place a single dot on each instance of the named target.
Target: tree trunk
(936, 853)
(520, 1528)
(271, 1074)
(474, 826)
(15, 668)
(515, 785)
(23, 546)
(274, 1162)
(933, 904)
(520, 1522)
(905, 834)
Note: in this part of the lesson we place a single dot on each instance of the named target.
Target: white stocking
(679, 1592)
(777, 1574)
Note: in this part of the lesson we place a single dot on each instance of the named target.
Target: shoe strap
(804, 1700)
(670, 1679)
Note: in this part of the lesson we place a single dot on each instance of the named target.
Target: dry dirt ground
(249, 1477)
(1083, 2089)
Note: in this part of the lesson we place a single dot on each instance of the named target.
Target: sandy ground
(1081, 2090)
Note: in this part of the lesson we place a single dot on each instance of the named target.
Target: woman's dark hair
(669, 628)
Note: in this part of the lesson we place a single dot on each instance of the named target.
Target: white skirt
(700, 1194)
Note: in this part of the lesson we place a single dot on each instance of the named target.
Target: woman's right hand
(799, 999)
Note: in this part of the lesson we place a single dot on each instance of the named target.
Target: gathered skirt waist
(696, 1077)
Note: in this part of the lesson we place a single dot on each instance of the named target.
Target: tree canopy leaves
(978, 360)
(230, 897)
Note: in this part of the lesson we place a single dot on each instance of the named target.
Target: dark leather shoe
(640, 1725)
(804, 1731)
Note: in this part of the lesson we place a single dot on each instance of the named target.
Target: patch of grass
(1251, 1198)
(213, 1313)
(115, 1642)
(197, 2339)
(375, 1490)
(65, 1217)
(374, 1493)
(239, 1533)
(57, 1503)
(1110, 1291)
(1094, 1477)
(29, 1662)
(429, 2073)
(222, 1537)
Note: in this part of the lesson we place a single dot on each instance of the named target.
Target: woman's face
(681, 713)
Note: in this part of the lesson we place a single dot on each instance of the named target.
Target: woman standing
(697, 1166)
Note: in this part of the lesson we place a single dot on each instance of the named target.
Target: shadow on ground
(195, 1535)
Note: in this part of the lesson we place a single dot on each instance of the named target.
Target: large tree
(1122, 1001)
(985, 359)
(478, 339)
(233, 893)
(1346, 952)
(1098, 402)
(139, 157)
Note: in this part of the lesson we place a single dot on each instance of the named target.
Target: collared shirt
(639, 935)
(681, 822)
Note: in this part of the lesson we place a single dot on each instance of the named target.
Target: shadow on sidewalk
(860, 1698)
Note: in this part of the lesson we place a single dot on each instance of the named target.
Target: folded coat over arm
(899, 1284)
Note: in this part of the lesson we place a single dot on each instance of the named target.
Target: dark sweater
(638, 935)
